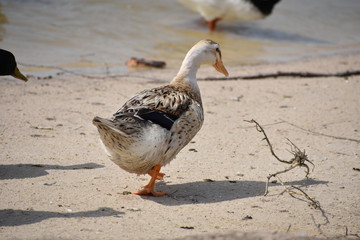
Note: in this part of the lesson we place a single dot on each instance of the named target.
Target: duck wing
(162, 106)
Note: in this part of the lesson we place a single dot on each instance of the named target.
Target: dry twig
(313, 202)
(299, 160)
(279, 74)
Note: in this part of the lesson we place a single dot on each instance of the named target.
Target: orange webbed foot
(149, 189)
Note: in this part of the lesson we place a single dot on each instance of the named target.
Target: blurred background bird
(214, 10)
(8, 65)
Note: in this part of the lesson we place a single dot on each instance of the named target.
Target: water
(94, 35)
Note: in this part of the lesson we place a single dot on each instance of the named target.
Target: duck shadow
(10, 217)
(20, 171)
(217, 191)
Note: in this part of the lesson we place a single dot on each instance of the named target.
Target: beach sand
(57, 183)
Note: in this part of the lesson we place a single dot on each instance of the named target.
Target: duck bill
(17, 74)
(219, 66)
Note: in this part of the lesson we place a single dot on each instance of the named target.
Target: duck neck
(187, 73)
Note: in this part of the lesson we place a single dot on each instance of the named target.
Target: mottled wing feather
(160, 105)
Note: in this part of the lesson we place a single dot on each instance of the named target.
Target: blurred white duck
(215, 10)
(154, 125)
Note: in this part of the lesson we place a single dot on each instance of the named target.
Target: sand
(57, 183)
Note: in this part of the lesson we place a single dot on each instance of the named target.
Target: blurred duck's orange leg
(212, 24)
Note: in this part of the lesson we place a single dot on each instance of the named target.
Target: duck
(151, 128)
(8, 65)
(215, 10)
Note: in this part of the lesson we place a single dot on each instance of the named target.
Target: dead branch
(344, 74)
(312, 201)
(141, 62)
(299, 160)
(260, 129)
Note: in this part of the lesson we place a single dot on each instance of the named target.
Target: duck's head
(8, 65)
(207, 52)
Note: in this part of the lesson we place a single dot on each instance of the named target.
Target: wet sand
(57, 183)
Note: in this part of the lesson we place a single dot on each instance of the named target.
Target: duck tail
(98, 120)
(102, 124)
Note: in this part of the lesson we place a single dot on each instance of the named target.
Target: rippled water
(89, 34)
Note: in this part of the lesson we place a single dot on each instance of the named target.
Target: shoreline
(249, 70)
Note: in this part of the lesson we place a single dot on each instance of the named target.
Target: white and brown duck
(151, 128)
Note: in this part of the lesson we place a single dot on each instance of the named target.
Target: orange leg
(149, 188)
(159, 176)
(212, 24)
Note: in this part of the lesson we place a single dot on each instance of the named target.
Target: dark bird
(8, 65)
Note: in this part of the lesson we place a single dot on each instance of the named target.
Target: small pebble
(186, 227)
(134, 209)
(247, 217)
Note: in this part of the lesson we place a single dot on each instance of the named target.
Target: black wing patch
(165, 120)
